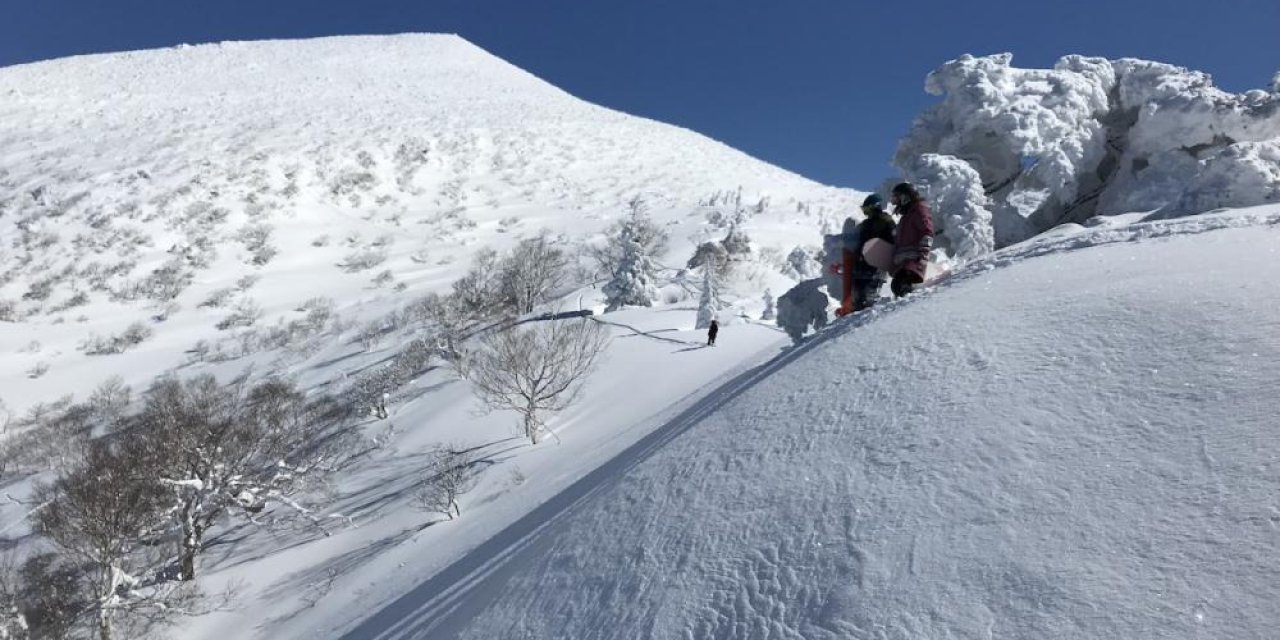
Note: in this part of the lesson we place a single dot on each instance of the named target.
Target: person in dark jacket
(867, 279)
(711, 333)
(914, 239)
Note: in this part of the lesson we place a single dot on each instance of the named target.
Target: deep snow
(1075, 439)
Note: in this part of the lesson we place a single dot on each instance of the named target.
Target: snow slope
(138, 185)
(1073, 439)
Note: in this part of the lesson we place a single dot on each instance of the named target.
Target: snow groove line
(434, 604)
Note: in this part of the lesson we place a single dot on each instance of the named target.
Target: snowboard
(878, 254)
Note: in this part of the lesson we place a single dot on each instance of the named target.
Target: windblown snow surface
(1076, 438)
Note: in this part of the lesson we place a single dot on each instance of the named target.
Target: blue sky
(821, 87)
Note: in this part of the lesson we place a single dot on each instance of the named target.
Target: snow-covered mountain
(262, 174)
(1068, 438)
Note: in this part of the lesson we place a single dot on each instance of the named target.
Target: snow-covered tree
(634, 279)
(636, 226)
(802, 262)
(769, 312)
(534, 371)
(709, 301)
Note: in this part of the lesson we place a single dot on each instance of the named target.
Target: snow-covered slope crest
(155, 186)
(1073, 439)
(1089, 136)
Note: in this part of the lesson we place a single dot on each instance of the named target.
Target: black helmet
(906, 189)
(873, 201)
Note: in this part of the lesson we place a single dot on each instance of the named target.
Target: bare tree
(222, 448)
(49, 597)
(536, 370)
(13, 624)
(97, 513)
(534, 270)
(450, 472)
(476, 293)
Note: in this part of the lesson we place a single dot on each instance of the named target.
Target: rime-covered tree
(638, 227)
(633, 282)
(708, 303)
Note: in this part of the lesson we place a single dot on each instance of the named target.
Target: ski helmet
(873, 201)
(906, 189)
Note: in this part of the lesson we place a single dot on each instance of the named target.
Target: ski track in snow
(1092, 455)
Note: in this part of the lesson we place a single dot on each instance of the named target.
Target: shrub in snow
(769, 312)
(535, 370)
(363, 259)
(217, 297)
(246, 314)
(802, 307)
(450, 471)
(383, 279)
(132, 336)
(256, 239)
(1089, 136)
(8, 311)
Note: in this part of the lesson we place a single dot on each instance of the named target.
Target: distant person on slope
(867, 279)
(711, 333)
(914, 239)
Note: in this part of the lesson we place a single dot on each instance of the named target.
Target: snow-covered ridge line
(1010, 152)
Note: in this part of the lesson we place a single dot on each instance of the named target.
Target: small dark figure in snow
(914, 239)
(711, 333)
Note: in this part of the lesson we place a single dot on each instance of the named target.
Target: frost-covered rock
(1089, 136)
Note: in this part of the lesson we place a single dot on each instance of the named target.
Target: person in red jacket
(914, 239)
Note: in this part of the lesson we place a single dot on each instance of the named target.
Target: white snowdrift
(1090, 136)
(1075, 439)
